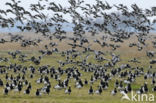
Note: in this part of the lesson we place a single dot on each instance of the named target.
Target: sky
(141, 3)
(26, 3)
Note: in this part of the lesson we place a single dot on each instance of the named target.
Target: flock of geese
(119, 27)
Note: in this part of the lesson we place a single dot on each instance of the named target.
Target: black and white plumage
(6, 91)
(90, 91)
(27, 91)
(118, 34)
(38, 93)
(154, 89)
(99, 90)
(68, 91)
(113, 92)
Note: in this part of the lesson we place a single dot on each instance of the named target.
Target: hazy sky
(141, 3)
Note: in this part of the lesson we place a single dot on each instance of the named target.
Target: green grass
(77, 95)
(58, 96)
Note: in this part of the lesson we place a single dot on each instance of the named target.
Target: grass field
(77, 95)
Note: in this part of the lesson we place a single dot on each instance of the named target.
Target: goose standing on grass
(38, 93)
(153, 81)
(145, 88)
(68, 91)
(91, 91)
(120, 85)
(85, 82)
(27, 91)
(79, 84)
(140, 91)
(116, 83)
(59, 85)
(113, 92)
(99, 91)
(1, 82)
(6, 91)
(128, 88)
(29, 86)
(154, 89)
(47, 90)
